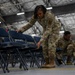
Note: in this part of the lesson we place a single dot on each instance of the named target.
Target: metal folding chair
(32, 48)
(28, 46)
(39, 53)
(20, 43)
(3, 54)
(10, 46)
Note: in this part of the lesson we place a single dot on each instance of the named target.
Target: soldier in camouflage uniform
(51, 28)
(67, 45)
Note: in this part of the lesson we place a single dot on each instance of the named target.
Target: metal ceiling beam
(1, 12)
(59, 10)
(47, 3)
(13, 18)
(17, 5)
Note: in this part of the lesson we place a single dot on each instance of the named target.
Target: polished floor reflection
(61, 70)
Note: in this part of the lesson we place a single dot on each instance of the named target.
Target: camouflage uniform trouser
(68, 55)
(49, 47)
(70, 50)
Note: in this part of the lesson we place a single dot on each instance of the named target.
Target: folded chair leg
(2, 66)
(22, 61)
(35, 59)
(5, 65)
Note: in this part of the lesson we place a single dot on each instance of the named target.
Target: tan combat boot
(46, 63)
(51, 64)
(69, 62)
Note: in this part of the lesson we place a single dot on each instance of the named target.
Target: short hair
(37, 8)
(67, 32)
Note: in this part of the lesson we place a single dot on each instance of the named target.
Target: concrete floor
(61, 70)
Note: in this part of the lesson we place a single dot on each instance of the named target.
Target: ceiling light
(20, 13)
(71, 0)
(49, 8)
(0, 22)
(61, 31)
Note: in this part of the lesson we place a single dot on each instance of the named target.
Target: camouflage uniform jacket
(64, 44)
(50, 25)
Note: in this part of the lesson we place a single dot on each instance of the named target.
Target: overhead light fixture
(49, 8)
(20, 13)
(0, 22)
(61, 31)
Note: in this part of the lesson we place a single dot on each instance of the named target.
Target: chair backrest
(29, 38)
(3, 33)
(37, 39)
(21, 38)
(6, 39)
(30, 41)
(16, 35)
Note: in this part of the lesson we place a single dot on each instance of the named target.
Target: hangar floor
(59, 70)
